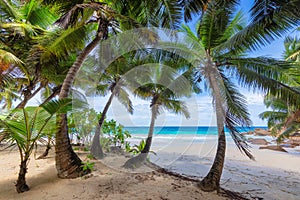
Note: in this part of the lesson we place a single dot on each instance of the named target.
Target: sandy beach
(274, 175)
(104, 183)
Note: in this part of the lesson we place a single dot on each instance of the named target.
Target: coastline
(273, 175)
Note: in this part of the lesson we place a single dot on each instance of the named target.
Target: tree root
(136, 162)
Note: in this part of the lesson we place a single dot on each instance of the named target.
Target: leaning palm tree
(163, 86)
(218, 53)
(283, 119)
(106, 15)
(25, 126)
(110, 81)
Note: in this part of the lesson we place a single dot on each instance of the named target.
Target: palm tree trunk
(68, 164)
(46, 152)
(212, 180)
(21, 185)
(28, 96)
(96, 149)
(137, 161)
(147, 147)
(55, 92)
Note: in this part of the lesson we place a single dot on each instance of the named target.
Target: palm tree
(282, 120)
(292, 53)
(111, 82)
(163, 86)
(25, 126)
(277, 116)
(22, 26)
(217, 52)
(67, 162)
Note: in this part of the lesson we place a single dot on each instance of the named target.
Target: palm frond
(235, 102)
(176, 106)
(275, 116)
(237, 137)
(214, 22)
(169, 14)
(192, 8)
(8, 10)
(124, 99)
(265, 27)
(267, 75)
(9, 58)
(66, 42)
(62, 106)
(23, 29)
(38, 15)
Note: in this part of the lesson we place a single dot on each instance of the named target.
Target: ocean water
(183, 130)
(184, 134)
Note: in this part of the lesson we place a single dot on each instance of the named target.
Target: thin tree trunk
(55, 92)
(147, 147)
(137, 161)
(21, 185)
(96, 149)
(46, 152)
(212, 180)
(23, 103)
(68, 164)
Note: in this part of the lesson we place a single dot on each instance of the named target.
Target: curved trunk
(68, 164)
(21, 185)
(212, 180)
(96, 149)
(151, 129)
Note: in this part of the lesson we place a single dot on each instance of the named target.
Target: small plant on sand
(88, 166)
(136, 149)
(89, 156)
(24, 127)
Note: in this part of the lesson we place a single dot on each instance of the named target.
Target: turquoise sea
(183, 130)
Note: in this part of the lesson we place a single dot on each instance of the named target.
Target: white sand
(105, 183)
(274, 175)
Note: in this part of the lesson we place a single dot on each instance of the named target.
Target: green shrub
(88, 165)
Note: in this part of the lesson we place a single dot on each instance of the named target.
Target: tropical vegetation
(45, 43)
